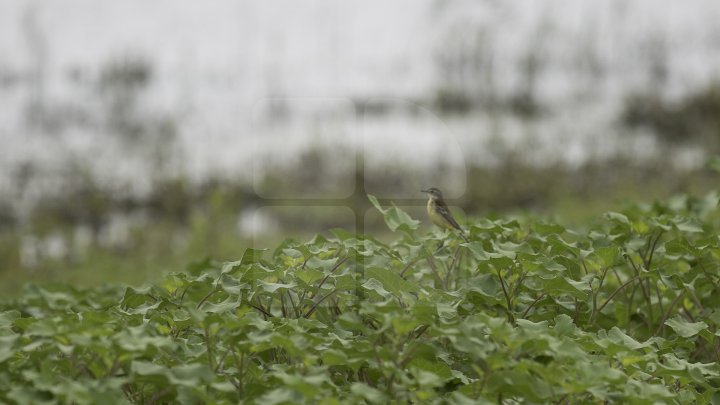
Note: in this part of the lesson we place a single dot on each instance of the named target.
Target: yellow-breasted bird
(439, 212)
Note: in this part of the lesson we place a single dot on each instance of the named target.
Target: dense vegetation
(527, 311)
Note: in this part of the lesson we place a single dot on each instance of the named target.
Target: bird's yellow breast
(436, 217)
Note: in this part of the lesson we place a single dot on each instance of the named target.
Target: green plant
(526, 312)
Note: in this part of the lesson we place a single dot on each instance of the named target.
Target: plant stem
(661, 326)
(314, 307)
(337, 265)
(524, 314)
(205, 298)
(511, 318)
(645, 292)
(209, 347)
(617, 290)
(292, 303)
(261, 309)
(649, 254)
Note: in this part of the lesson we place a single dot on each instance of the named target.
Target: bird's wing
(443, 210)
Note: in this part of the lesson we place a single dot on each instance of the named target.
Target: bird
(439, 212)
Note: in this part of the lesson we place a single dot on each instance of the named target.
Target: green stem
(667, 313)
(524, 314)
(614, 293)
(511, 318)
(314, 307)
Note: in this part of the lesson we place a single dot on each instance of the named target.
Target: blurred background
(139, 136)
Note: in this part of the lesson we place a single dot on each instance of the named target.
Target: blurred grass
(187, 225)
(147, 257)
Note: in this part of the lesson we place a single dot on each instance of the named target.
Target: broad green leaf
(617, 217)
(7, 344)
(395, 218)
(272, 287)
(279, 395)
(7, 318)
(545, 228)
(608, 255)
(308, 275)
(684, 328)
(391, 281)
(368, 393)
(375, 285)
(249, 256)
(687, 225)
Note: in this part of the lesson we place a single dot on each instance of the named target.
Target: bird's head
(434, 193)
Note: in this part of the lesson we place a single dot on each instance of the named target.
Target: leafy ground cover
(622, 311)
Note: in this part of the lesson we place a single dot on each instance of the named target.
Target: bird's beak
(425, 191)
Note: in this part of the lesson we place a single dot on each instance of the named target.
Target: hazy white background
(216, 68)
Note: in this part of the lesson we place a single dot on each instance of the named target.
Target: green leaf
(7, 318)
(308, 275)
(375, 285)
(618, 218)
(249, 256)
(608, 255)
(687, 225)
(7, 347)
(333, 357)
(395, 218)
(391, 281)
(278, 396)
(684, 328)
(368, 393)
(191, 375)
(272, 287)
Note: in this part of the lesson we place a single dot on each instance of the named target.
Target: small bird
(439, 212)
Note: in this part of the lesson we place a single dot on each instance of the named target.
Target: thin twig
(420, 331)
(336, 307)
(114, 368)
(582, 260)
(450, 269)
(337, 265)
(518, 284)
(240, 364)
(282, 305)
(645, 292)
(407, 266)
(221, 362)
(630, 299)
(209, 347)
(261, 309)
(595, 295)
(507, 297)
(302, 297)
(524, 314)
(205, 298)
(688, 314)
(659, 297)
(667, 313)
(697, 303)
(431, 263)
(407, 357)
(648, 260)
(182, 296)
(314, 307)
(617, 290)
(620, 281)
(292, 303)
